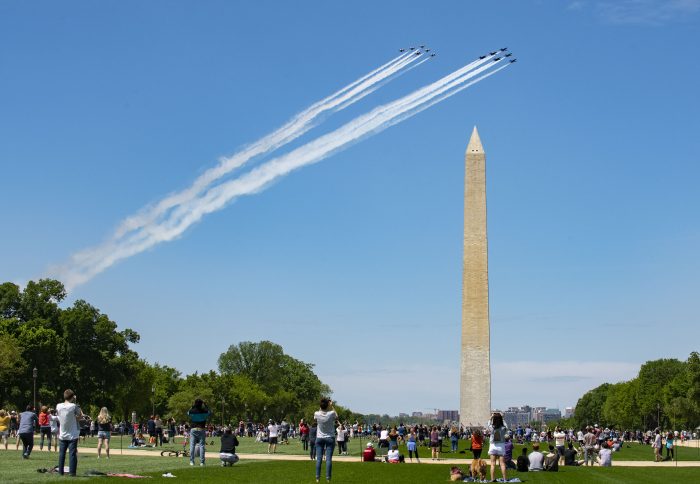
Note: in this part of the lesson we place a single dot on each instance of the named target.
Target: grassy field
(13, 469)
(631, 451)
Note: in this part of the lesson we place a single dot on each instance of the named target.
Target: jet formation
(421, 49)
(418, 50)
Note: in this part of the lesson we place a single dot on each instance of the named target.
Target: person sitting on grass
(393, 457)
(570, 456)
(523, 463)
(227, 454)
(456, 474)
(536, 458)
(369, 454)
(551, 460)
(605, 455)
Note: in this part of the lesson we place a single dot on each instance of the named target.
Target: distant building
(448, 415)
(417, 414)
(403, 415)
(546, 415)
(517, 416)
(569, 412)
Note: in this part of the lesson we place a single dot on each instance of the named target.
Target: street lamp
(222, 410)
(153, 399)
(35, 373)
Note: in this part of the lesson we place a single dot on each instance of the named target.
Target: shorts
(5, 433)
(434, 444)
(497, 449)
(273, 440)
(104, 434)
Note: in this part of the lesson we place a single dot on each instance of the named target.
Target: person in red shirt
(477, 443)
(369, 454)
(44, 426)
(304, 434)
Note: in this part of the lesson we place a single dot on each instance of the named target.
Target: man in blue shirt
(27, 422)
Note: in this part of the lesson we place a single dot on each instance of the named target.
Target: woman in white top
(53, 421)
(325, 436)
(497, 445)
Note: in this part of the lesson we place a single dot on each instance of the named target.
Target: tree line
(665, 394)
(81, 348)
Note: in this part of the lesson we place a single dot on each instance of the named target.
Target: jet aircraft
(482, 57)
(402, 50)
(504, 49)
(433, 55)
(509, 54)
(493, 53)
(497, 59)
(513, 60)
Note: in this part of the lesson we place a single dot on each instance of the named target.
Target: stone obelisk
(475, 376)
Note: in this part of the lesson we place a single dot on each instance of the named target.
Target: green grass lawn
(631, 451)
(13, 469)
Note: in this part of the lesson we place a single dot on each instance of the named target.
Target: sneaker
(201, 464)
(191, 463)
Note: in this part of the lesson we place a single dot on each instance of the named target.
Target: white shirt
(384, 435)
(68, 414)
(272, 428)
(341, 435)
(53, 421)
(326, 423)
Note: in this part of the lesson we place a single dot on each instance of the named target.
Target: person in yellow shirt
(4, 427)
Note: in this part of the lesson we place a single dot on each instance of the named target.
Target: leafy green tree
(589, 409)
(620, 408)
(653, 377)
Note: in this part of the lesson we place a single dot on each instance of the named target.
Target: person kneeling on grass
(227, 454)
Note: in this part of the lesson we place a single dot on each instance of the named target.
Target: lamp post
(153, 399)
(35, 373)
(658, 415)
(222, 410)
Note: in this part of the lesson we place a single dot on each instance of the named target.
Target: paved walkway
(343, 458)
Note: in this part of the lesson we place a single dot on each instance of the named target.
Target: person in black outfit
(523, 463)
(313, 432)
(227, 454)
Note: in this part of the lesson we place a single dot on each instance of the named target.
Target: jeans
(454, 442)
(72, 447)
(27, 443)
(312, 450)
(588, 454)
(45, 432)
(324, 445)
(197, 438)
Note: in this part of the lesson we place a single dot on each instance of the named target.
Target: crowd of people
(61, 428)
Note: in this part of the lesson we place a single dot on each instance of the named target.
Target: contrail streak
(87, 264)
(297, 126)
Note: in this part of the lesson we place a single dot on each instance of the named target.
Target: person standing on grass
(104, 431)
(4, 427)
(304, 435)
(497, 445)
(313, 432)
(44, 426)
(477, 443)
(325, 417)
(53, 422)
(69, 415)
(198, 414)
(273, 434)
(435, 444)
(657, 446)
(412, 446)
(27, 423)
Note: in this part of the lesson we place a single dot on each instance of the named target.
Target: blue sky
(354, 263)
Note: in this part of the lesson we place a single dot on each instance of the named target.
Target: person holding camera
(326, 418)
(198, 414)
(69, 415)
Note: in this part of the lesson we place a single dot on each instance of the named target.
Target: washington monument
(475, 375)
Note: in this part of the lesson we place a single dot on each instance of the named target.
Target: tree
(620, 408)
(653, 377)
(589, 409)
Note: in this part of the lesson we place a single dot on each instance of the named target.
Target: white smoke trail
(87, 264)
(297, 126)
